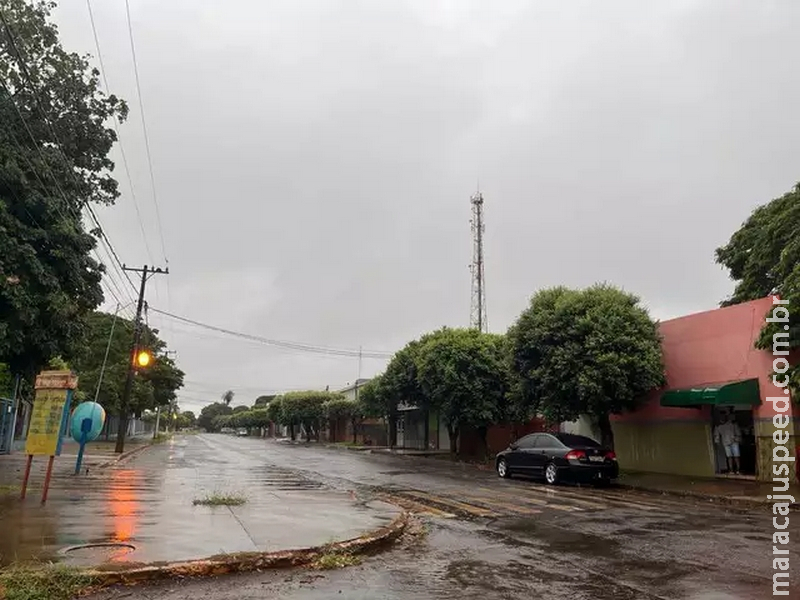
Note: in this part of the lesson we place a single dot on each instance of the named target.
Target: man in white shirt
(729, 434)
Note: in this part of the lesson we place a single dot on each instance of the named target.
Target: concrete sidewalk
(142, 510)
(721, 489)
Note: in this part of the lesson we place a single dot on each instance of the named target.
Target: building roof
(357, 384)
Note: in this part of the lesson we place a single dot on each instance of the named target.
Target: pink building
(713, 369)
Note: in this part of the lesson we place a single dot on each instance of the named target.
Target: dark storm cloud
(314, 161)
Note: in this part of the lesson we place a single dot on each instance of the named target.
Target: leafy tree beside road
(592, 352)
(306, 409)
(208, 416)
(49, 282)
(463, 375)
(154, 386)
(763, 257)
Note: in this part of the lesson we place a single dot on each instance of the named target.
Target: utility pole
(478, 302)
(146, 272)
(358, 378)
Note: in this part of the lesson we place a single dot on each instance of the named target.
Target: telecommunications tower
(477, 318)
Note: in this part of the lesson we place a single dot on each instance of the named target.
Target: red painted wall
(712, 347)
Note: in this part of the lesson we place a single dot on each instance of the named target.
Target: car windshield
(572, 440)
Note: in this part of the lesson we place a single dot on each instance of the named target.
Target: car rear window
(570, 439)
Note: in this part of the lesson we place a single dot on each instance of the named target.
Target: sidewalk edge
(729, 500)
(124, 456)
(247, 561)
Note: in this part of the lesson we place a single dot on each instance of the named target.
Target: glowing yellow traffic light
(143, 358)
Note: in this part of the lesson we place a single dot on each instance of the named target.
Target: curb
(244, 562)
(728, 500)
(124, 456)
(367, 449)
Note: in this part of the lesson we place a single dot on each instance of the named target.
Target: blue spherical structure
(87, 410)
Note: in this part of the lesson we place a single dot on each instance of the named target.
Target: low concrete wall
(676, 447)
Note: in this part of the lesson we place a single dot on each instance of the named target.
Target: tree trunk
(355, 432)
(453, 433)
(393, 427)
(291, 432)
(606, 433)
(483, 431)
(427, 414)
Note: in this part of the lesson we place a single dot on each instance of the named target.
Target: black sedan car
(558, 457)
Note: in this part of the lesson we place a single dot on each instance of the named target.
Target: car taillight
(575, 455)
(611, 456)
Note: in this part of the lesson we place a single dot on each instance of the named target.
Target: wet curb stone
(727, 500)
(243, 562)
(124, 456)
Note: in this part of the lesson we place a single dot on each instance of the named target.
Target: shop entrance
(742, 417)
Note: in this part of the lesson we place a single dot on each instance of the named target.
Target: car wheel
(551, 473)
(502, 468)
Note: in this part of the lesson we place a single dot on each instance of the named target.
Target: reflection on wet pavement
(148, 503)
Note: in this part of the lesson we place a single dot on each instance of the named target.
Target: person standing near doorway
(729, 434)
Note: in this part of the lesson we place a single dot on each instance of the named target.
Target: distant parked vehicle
(557, 457)
(241, 432)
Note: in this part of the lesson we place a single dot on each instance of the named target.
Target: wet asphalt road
(489, 538)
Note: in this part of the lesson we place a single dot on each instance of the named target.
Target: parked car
(241, 432)
(558, 457)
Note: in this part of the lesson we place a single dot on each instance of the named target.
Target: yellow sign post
(49, 419)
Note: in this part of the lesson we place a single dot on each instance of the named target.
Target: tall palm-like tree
(227, 397)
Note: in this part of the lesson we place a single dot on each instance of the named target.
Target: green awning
(742, 393)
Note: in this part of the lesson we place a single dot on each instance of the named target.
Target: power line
(281, 343)
(117, 130)
(144, 131)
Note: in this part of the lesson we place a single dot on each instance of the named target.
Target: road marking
(535, 501)
(417, 507)
(460, 506)
(562, 496)
(492, 502)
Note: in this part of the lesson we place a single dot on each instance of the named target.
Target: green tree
(209, 413)
(185, 420)
(154, 386)
(227, 397)
(306, 409)
(49, 283)
(263, 401)
(340, 409)
(763, 258)
(274, 410)
(592, 352)
(238, 409)
(462, 374)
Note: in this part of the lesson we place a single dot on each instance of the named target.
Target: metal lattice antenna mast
(478, 303)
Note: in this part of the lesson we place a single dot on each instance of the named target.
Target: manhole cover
(98, 553)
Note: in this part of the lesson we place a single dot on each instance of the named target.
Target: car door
(546, 447)
(524, 454)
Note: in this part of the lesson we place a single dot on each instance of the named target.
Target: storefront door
(743, 418)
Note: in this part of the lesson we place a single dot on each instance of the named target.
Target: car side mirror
(513, 445)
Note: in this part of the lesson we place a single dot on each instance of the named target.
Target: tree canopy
(306, 408)
(763, 258)
(154, 386)
(594, 351)
(463, 375)
(208, 415)
(54, 146)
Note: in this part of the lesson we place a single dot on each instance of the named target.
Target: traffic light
(143, 358)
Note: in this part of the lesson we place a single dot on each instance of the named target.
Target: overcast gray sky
(314, 162)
